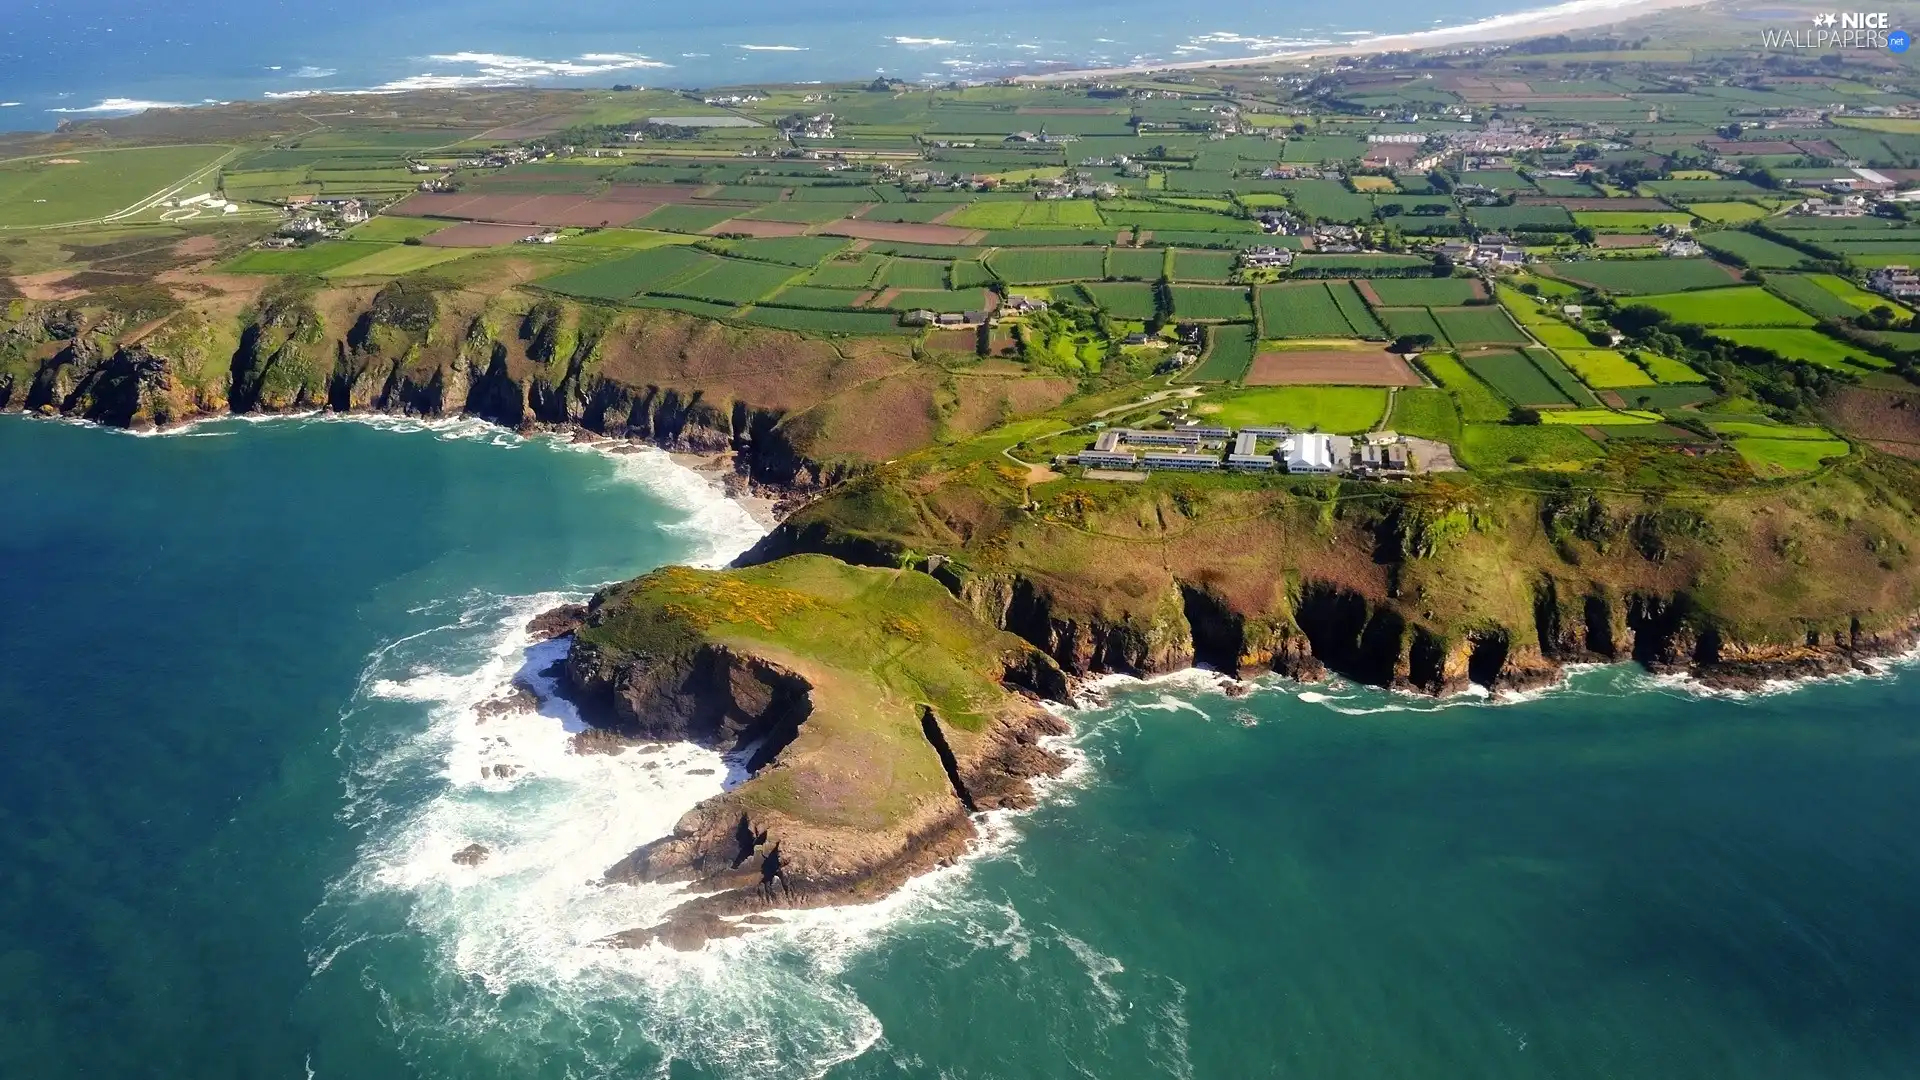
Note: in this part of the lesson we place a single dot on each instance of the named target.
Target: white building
(1309, 454)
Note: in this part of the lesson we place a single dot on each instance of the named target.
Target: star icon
(1824, 20)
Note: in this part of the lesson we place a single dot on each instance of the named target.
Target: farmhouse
(1898, 281)
(1266, 258)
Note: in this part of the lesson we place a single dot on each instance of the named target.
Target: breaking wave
(499, 964)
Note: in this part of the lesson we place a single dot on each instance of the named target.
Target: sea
(238, 748)
(71, 59)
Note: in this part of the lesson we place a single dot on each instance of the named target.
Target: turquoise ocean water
(71, 59)
(237, 748)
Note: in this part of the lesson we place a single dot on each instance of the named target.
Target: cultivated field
(1335, 367)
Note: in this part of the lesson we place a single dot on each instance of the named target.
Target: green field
(809, 296)
(1521, 218)
(1810, 345)
(1137, 264)
(857, 272)
(1726, 213)
(1741, 305)
(1500, 446)
(1328, 200)
(1423, 292)
(1123, 300)
(1757, 429)
(1230, 350)
(1599, 418)
(1854, 295)
(1412, 322)
(1340, 410)
(1750, 250)
(1632, 277)
(620, 278)
(1029, 213)
(1516, 377)
(1806, 293)
(1788, 457)
(396, 260)
(1669, 371)
(790, 250)
(1034, 266)
(939, 300)
(1486, 325)
(1476, 401)
(95, 183)
(1211, 302)
(1631, 221)
(1305, 309)
(316, 259)
(1363, 264)
(914, 274)
(1358, 313)
(1425, 413)
(1558, 335)
(1605, 369)
(1202, 265)
(733, 281)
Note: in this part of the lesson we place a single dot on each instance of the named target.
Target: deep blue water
(238, 747)
(68, 57)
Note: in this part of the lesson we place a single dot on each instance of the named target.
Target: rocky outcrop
(870, 727)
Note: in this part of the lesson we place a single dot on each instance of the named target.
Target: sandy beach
(1537, 22)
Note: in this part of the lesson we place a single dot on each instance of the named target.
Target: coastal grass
(875, 647)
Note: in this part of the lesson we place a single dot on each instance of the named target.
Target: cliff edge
(874, 713)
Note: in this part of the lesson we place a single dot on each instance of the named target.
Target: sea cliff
(869, 713)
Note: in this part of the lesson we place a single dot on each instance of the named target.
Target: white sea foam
(517, 936)
(9, 104)
(311, 72)
(719, 527)
(120, 105)
(771, 48)
(923, 42)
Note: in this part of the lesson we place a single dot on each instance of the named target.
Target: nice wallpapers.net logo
(1841, 30)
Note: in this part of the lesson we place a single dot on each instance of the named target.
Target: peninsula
(1427, 371)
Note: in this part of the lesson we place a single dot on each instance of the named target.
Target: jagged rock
(472, 855)
(557, 623)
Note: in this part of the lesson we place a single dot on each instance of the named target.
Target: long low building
(1139, 437)
(1193, 462)
(1106, 459)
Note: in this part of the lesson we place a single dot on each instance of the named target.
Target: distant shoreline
(1537, 22)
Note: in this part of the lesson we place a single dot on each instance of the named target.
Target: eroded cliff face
(405, 348)
(1441, 595)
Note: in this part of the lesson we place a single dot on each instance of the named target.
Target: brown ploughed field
(1342, 367)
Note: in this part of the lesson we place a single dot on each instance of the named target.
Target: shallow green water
(237, 747)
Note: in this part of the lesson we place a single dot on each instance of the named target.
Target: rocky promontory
(872, 711)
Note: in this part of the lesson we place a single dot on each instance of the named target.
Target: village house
(1266, 258)
(1896, 281)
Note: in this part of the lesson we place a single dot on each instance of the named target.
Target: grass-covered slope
(1425, 585)
(872, 701)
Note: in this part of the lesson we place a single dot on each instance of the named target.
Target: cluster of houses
(1493, 251)
(313, 218)
(1899, 282)
(1195, 447)
(1009, 306)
